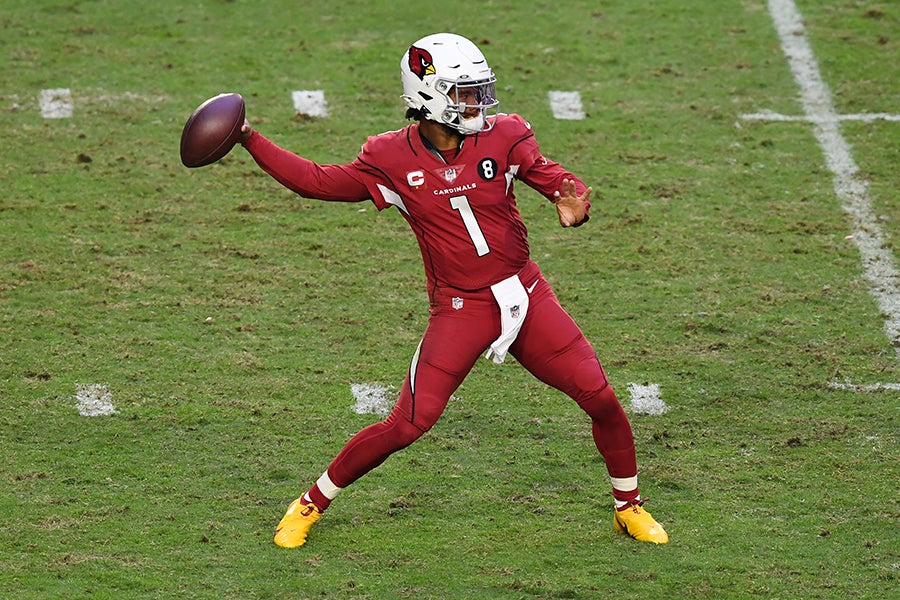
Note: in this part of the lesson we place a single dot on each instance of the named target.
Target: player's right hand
(246, 131)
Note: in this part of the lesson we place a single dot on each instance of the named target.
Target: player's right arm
(303, 176)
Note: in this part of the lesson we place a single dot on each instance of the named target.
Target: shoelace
(635, 504)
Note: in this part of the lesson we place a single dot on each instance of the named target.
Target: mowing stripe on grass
(877, 258)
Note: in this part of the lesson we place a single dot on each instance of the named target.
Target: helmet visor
(477, 96)
(471, 106)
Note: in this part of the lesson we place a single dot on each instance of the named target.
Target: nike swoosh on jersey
(531, 287)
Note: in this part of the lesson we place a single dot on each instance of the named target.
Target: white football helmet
(446, 78)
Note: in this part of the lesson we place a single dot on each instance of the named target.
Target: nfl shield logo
(514, 311)
(457, 303)
(450, 175)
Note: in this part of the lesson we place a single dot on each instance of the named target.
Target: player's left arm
(569, 193)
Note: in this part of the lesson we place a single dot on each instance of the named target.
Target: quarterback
(451, 174)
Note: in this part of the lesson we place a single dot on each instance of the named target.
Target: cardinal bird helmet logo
(420, 62)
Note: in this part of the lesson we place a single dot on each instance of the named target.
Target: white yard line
(768, 115)
(59, 103)
(849, 186)
(874, 387)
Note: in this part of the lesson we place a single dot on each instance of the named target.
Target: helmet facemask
(447, 80)
(471, 106)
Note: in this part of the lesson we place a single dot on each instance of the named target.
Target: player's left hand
(570, 207)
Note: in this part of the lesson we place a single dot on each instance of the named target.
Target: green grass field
(228, 318)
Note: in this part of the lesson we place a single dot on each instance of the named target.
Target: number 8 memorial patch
(487, 168)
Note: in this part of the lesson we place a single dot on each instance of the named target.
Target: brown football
(212, 130)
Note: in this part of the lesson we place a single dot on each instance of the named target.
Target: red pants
(550, 345)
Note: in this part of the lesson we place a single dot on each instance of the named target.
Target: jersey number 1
(461, 203)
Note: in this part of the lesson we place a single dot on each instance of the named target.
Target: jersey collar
(433, 149)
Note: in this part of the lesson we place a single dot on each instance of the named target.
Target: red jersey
(460, 205)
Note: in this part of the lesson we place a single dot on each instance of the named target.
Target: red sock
(315, 496)
(628, 498)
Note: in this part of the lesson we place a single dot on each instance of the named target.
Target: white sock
(623, 504)
(327, 487)
(624, 484)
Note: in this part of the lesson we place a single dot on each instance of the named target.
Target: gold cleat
(639, 524)
(291, 532)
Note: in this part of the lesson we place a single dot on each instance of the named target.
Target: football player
(451, 174)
